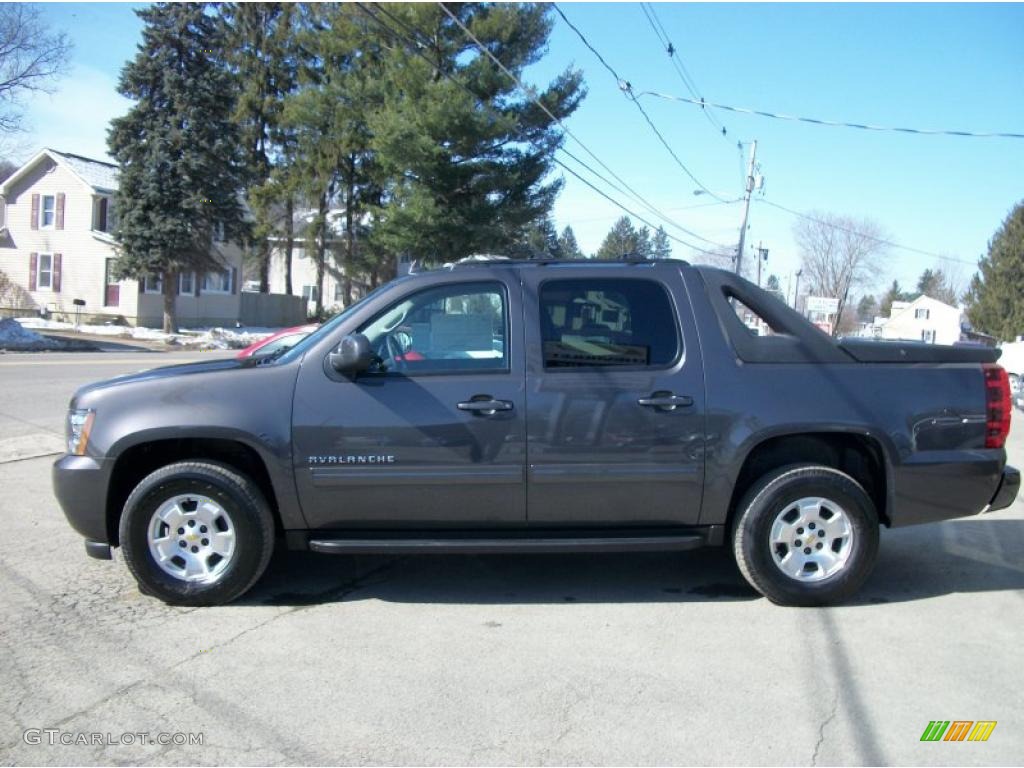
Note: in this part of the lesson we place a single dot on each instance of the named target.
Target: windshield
(327, 328)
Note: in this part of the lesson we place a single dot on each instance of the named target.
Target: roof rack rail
(486, 260)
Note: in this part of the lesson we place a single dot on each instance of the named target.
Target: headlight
(79, 426)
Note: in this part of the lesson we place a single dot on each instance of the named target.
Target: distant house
(923, 319)
(56, 247)
(304, 262)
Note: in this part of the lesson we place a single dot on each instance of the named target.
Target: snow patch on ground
(14, 336)
(196, 338)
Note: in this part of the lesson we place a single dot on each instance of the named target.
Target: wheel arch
(134, 462)
(860, 454)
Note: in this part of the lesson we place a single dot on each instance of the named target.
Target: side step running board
(482, 546)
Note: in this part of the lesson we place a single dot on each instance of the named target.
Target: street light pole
(746, 207)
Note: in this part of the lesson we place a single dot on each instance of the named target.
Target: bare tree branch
(31, 60)
(839, 255)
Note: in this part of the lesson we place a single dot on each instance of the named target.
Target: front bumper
(1007, 490)
(80, 485)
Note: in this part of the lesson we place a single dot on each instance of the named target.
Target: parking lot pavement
(559, 659)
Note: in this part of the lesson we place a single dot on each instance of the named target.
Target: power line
(634, 214)
(627, 89)
(673, 53)
(636, 196)
(881, 240)
(436, 67)
(816, 121)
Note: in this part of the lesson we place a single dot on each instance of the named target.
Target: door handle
(665, 401)
(486, 406)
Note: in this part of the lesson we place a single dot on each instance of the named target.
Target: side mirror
(353, 356)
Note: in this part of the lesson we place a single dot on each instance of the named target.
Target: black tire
(769, 497)
(238, 496)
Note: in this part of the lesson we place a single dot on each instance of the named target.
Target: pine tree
(661, 247)
(178, 150)
(568, 246)
(466, 152)
(262, 58)
(895, 293)
(772, 283)
(625, 240)
(867, 308)
(995, 300)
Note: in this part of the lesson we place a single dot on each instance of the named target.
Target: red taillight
(997, 405)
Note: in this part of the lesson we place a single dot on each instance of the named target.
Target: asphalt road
(558, 659)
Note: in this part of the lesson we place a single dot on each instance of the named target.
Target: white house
(56, 247)
(304, 263)
(923, 319)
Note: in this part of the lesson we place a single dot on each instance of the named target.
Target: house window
(44, 278)
(112, 294)
(217, 282)
(309, 292)
(187, 283)
(47, 209)
(152, 284)
(922, 314)
(218, 232)
(928, 336)
(106, 215)
(337, 291)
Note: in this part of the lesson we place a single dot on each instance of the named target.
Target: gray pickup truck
(541, 406)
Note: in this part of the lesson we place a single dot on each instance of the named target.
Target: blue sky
(919, 65)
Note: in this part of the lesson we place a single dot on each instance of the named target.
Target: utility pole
(762, 256)
(796, 293)
(746, 207)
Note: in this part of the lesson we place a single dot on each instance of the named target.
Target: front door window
(452, 329)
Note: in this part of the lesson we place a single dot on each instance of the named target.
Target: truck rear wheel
(196, 533)
(806, 535)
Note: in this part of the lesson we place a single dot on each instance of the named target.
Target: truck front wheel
(806, 535)
(196, 533)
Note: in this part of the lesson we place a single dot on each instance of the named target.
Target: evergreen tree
(625, 240)
(995, 299)
(539, 241)
(178, 150)
(867, 308)
(261, 56)
(895, 293)
(936, 284)
(568, 246)
(661, 247)
(773, 283)
(465, 152)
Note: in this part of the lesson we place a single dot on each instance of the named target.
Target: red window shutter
(57, 259)
(33, 270)
(35, 211)
(234, 280)
(59, 216)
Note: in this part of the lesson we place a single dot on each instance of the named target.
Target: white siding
(83, 254)
(942, 322)
(303, 273)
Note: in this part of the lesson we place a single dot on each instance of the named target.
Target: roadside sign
(823, 304)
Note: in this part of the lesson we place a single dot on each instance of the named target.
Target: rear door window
(607, 323)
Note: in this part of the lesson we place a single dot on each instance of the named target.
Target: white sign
(821, 304)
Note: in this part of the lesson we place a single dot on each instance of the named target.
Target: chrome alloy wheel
(811, 539)
(191, 538)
